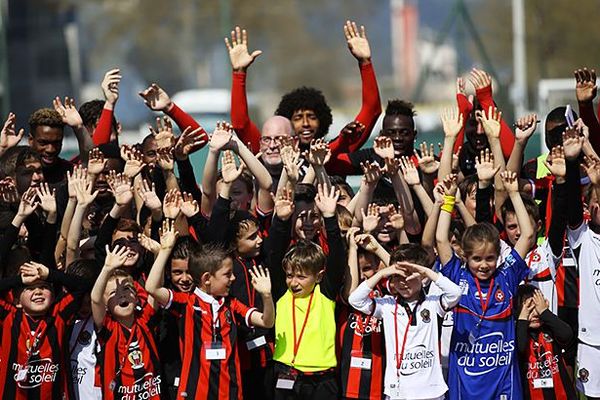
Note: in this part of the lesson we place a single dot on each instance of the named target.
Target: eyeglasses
(267, 140)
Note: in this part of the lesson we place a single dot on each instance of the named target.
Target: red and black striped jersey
(361, 354)
(567, 279)
(255, 345)
(208, 343)
(128, 363)
(34, 363)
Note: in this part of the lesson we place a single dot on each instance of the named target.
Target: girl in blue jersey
(483, 362)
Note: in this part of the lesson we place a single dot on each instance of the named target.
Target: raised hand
(133, 160)
(8, 192)
(484, 164)
(582, 128)
(165, 159)
(409, 171)
(290, 157)
(572, 144)
(585, 88)
(450, 185)
(370, 220)
(156, 98)
(383, 147)
(539, 302)
(96, 162)
(556, 162)
(396, 218)
(116, 257)
(490, 122)
(8, 136)
(229, 170)
(47, 198)
(351, 237)
(239, 55)
(367, 242)
(189, 206)
(479, 79)
(120, 184)
(149, 244)
(28, 203)
(172, 204)
(461, 86)
(427, 162)
(525, 127)
(592, 169)
(510, 181)
(168, 235)
(29, 273)
(68, 112)
(188, 142)
(284, 205)
(164, 133)
(83, 189)
(357, 41)
(526, 309)
(327, 201)
(372, 172)
(110, 85)
(353, 130)
(261, 280)
(148, 195)
(452, 122)
(438, 193)
(221, 137)
(319, 152)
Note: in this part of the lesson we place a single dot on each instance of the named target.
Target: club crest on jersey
(536, 257)
(84, 338)
(228, 316)
(584, 375)
(34, 345)
(135, 356)
(499, 296)
(425, 315)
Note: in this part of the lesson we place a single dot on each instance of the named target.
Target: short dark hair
(341, 183)
(305, 256)
(25, 155)
(307, 98)
(206, 258)
(90, 112)
(413, 253)
(478, 234)
(530, 205)
(85, 269)
(181, 250)
(400, 107)
(466, 185)
(128, 225)
(305, 192)
(45, 117)
(524, 292)
(553, 137)
(10, 159)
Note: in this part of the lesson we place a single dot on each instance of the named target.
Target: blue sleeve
(452, 269)
(515, 268)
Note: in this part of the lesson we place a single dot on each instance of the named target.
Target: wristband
(448, 205)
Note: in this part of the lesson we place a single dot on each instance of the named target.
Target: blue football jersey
(483, 363)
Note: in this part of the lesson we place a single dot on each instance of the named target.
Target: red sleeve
(147, 313)
(242, 310)
(507, 138)
(340, 165)
(244, 127)
(184, 120)
(368, 114)
(177, 303)
(103, 129)
(586, 112)
(464, 108)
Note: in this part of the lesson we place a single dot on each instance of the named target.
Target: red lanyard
(400, 356)
(484, 307)
(299, 339)
(250, 293)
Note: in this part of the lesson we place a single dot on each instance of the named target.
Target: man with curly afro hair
(306, 107)
(46, 132)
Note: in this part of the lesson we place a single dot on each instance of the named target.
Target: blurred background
(63, 48)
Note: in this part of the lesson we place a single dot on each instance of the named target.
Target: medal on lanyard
(215, 350)
(31, 344)
(474, 333)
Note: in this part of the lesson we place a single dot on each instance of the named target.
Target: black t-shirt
(57, 172)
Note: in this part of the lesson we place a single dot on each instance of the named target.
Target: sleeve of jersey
(148, 315)
(464, 108)
(361, 301)
(340, 165)
(515, 268)
(187, 179)
(103, 129)
(240, 119)
(507, 139)
(452, 268)
(450, 294)
(243, 311)
(587, 114)
(177, 302)
(578, 235)
(67, 308)
(336, 259)
(184, 120)
(368, 114)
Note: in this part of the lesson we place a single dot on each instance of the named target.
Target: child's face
(482, 261)
(308, 221)
(220, 282)
(406, 285)
(249, 242)
(240, 196)
(180, 275)
(301, 282)
(511, 227)
(36, 299)
(470, 202)
(368, 265)
(457, 246)
(385, 233)
(132, 258)
(344, 198)
(534, 316)
(120, 297)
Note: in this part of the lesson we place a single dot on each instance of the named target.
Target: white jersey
(82, 344)
(420, 375)
(586, 247)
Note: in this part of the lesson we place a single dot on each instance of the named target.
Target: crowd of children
(468, 274)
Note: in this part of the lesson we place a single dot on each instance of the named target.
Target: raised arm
(261, 282)
(258, 170)
(372, 172)
(412, 179)
(70, 116)
(155, 280)
(352, 275)
(84, 196)
(452, 122)
(572, 145)
(220, 140)
(443, 228)
(318, 156)
(486, 171)
(241, 59)
(114, 259)
(9, 136)
(110, 88)
(525, 127)
(527, 238)
(558, 223)
(429, 231)
(585, 90)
